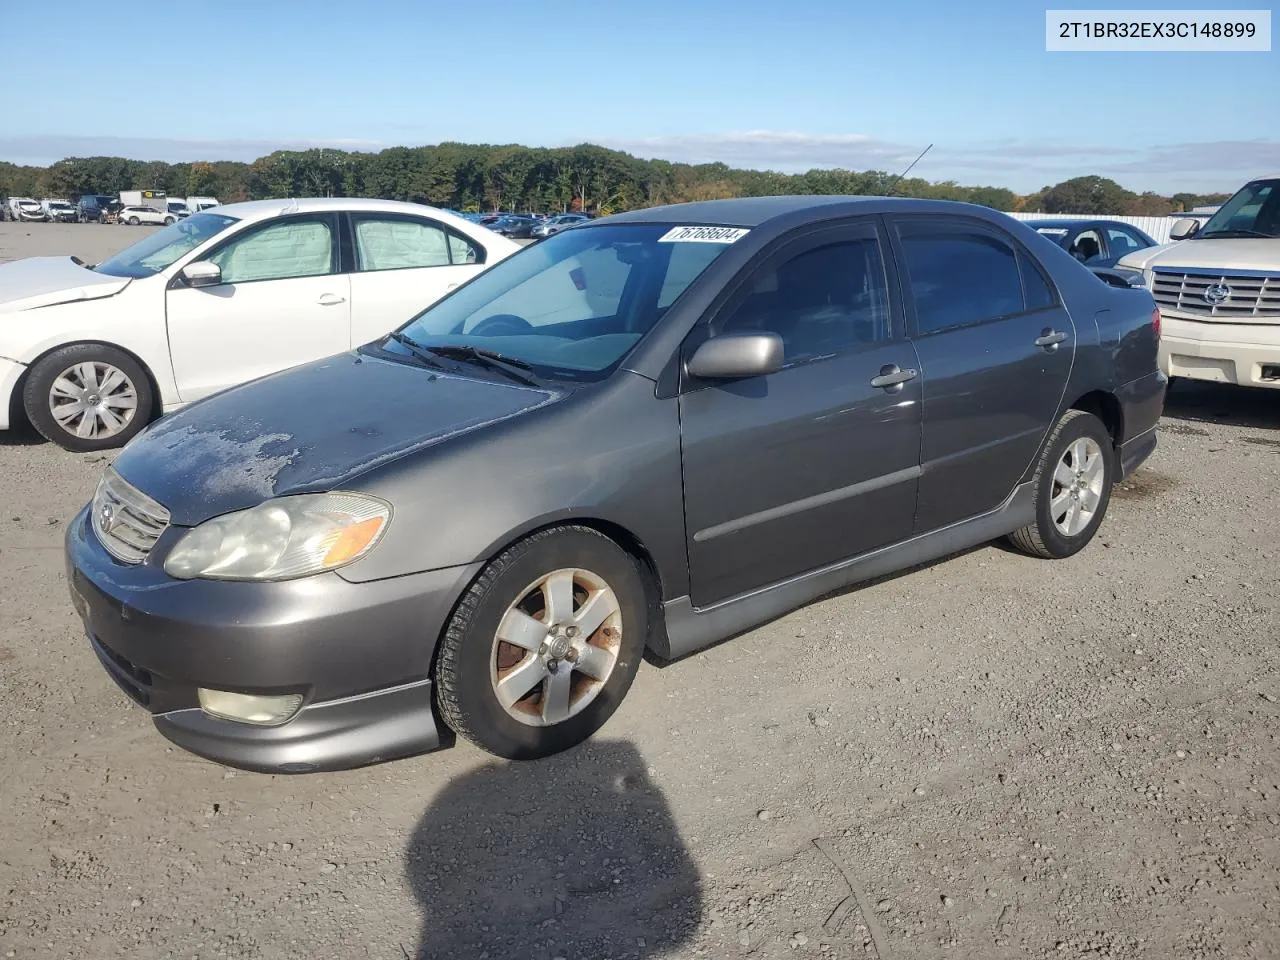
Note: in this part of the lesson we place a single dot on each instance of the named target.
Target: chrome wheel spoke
(1079, 453)
(1090, 499)
(594, 612)
(522, 630)
(113, 379)
(122, 401)
(1064, 474)
(63, 387)
(1059, 505)
(1094, 468)
(555, 696)
(520, 681)
(557, 592)
(110, 420)
(88, 374)
(87, 428)
(596, 662)
(64, 412)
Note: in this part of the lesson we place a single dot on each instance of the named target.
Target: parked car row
(99, 208)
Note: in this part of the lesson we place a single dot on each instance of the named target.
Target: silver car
(562, 222)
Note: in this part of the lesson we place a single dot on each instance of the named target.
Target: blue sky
(769, 85)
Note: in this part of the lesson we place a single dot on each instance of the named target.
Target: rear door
(995, 345)
(403, 264)
(807, 466)
(281, 302)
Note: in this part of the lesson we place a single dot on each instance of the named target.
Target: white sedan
(90, 354)
(136, 215)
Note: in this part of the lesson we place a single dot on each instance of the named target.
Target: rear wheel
(544, 644)
(88, 397)
(133, 221)
(1073, 483)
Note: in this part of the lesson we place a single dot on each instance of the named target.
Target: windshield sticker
(703, 235)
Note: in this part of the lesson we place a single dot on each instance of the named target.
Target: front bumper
(10, 373)
(1247, 354)
(359, 653)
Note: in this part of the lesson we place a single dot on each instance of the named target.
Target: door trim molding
(808, 503)
(689, 628)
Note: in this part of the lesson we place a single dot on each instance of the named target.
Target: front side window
(822, 301)
(1253, 212)
(279, 251)
(958, 274)
(152, 254)
(571, 306)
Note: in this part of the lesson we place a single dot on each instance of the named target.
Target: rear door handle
(330, 299)
(892, 375)
(1050, 338)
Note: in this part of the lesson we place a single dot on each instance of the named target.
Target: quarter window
(278, 252)
(822, 301)
(959, 274)
(1037, 292)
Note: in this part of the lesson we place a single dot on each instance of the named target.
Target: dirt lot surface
(992, 757)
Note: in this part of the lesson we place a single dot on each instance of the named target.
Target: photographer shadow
(574, 856)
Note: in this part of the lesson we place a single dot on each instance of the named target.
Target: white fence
(1155, 227)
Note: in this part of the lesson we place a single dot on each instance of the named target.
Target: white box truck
(155, 199)
(196, 204)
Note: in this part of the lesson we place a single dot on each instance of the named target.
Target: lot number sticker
(703, 235)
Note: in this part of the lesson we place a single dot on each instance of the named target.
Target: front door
(995, 346)
(813, 464)
(281, 302)
(403, 265)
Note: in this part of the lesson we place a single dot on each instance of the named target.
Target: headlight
(281, 539)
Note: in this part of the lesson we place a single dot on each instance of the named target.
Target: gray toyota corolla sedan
(654, 430)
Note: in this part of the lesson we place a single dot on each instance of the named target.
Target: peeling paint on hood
(306, 430)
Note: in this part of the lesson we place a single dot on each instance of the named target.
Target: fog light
(248, 708)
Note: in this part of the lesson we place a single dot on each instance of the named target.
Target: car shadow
(1203, 402)
(577, 855)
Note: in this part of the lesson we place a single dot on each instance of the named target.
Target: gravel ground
(989, 757)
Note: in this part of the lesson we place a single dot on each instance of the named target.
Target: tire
(133, 221)
(68, 368)
(473, 662)
(1055, 539)
(168, 220)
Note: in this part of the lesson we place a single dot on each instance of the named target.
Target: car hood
(306, 430)
(1242, 253)
(44, 281)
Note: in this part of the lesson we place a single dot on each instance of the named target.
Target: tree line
(482, 177)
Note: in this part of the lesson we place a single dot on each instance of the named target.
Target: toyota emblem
(1216, 293)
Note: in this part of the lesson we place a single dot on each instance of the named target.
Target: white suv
(1218, 289)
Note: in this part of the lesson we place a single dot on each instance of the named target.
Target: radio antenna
(894, 183)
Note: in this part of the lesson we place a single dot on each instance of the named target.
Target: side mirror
(733, 356)
(202, 274)
(1186, 227)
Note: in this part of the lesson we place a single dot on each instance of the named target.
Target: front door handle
(331, 299)
(1050, 338)
(891, 375)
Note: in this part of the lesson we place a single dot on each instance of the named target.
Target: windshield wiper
(511, 366)
(1235, 233)
(417, 349)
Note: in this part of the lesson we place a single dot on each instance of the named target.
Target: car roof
(250, 210)
(789, 211)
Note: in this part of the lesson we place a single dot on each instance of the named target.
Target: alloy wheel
(1077, 486)
(556, 646)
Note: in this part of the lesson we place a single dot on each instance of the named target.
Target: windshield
(1254, 211)
(573, 305)
(152, 254)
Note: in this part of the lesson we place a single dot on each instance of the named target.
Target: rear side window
(958, 274)
(1036, 289)
(396, 244)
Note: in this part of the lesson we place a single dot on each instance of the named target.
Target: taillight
(1155, 320)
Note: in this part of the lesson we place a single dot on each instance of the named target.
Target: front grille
(132, 679)
(127, 522)
(1248, 299)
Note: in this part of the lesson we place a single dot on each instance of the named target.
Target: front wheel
(133, 221)
(168, 220)
(88, 397)
(1073, 483)
(544, 644)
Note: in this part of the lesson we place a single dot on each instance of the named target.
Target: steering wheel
(501, 323)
